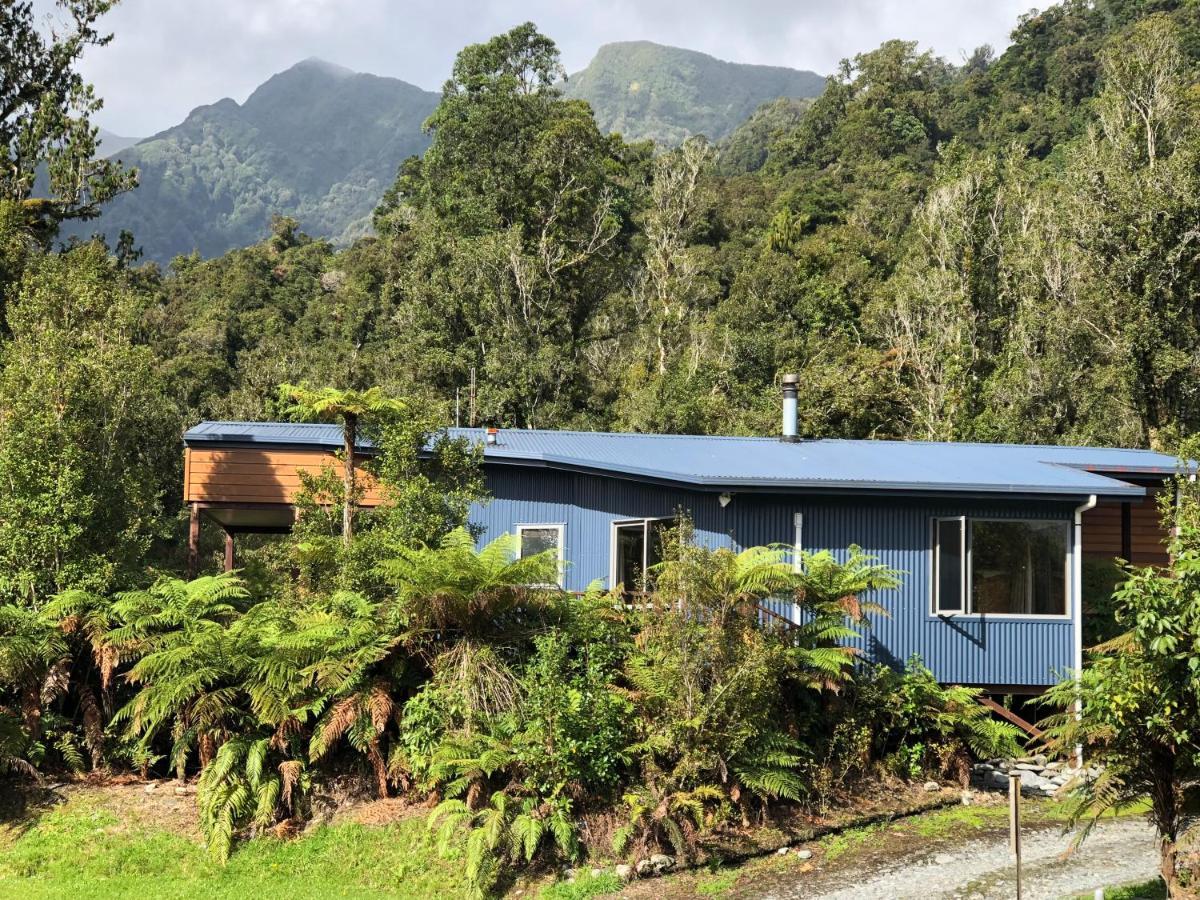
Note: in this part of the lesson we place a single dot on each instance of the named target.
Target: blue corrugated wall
(965, 650)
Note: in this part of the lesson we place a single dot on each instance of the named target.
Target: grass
(83, 851)
(584, 886)
(1147, 890)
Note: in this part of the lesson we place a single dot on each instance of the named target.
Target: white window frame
(612, 542)
(967, 586)
(561, 528)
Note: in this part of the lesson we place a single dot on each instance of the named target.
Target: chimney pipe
(791, 384)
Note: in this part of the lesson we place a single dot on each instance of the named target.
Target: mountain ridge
(646, 90)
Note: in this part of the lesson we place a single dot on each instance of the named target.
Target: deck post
(1077, 608)
(228, 551)
(193, 560)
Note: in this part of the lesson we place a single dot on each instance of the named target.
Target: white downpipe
(1077, 607)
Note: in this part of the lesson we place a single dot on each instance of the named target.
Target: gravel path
(1116, 852)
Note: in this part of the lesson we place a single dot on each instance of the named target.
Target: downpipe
(1077, 610)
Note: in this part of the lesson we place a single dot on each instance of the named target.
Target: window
(637, 548)
(537, 539)
(1000, 567)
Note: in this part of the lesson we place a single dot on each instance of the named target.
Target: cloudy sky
(170, 56)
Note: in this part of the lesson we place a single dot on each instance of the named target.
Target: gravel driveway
(1119, 851)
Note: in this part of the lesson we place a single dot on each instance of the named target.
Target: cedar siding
(254, 475)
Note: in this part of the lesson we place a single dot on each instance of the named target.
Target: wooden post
(193, 561)
(1014, 822)
(228, 551)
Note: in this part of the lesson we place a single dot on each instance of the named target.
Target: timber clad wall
(1102, 532)
(244, 475)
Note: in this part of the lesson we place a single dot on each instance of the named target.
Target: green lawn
(83, 851)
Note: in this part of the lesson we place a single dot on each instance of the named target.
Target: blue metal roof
(278, 433)
(759, 462)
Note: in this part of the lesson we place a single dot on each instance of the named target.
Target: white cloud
(170, 56)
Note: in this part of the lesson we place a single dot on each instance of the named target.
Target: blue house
(991, 539)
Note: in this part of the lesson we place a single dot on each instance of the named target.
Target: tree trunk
(379, 766)
(350, 438)
(31, 711)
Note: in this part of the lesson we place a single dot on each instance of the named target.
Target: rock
(624, 872)
(1027, 767)
(1040, 759)
(150, 788)
(782, 851)
(932, 786)
(181, 792)
(804, 854)
(943, 859)
(596, 873)
(983, 768)
(660, 862)
(1054, 766)
(967, 798)
(997, 780)
(643, 868)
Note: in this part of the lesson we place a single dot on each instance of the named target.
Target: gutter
(1077, 609)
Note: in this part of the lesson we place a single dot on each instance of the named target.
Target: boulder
(997, 780)
(660, 862)
(643, 868)
(624, 871)
(932, 786)
(804, 854)
(782, 851)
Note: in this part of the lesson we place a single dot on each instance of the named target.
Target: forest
(999, 250)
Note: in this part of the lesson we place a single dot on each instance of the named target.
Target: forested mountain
(644, 90)
(316, 142)
(111, 143)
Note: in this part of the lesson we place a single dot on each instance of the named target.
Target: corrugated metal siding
(963, 650)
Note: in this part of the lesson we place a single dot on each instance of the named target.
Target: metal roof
(759, 462)
(286, 433)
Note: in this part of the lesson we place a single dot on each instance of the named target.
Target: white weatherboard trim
(612, 543)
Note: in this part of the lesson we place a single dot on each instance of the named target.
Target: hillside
(646, 90)
(111, 143)
(317, 142)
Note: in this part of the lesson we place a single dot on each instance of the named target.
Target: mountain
(646, 90)
(745, 150)
(111, 143)
(317, 142)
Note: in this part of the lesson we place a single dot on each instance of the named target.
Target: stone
(596, 873)
(643, 868)
(782, 851)
(1027, 767)
(943, 859)
(932, 786)
(967, 798)
(804, 854)
(150, 788)
(660, 862)
(1040, 760)
(997, 780)
(624, 872)
(983, 768)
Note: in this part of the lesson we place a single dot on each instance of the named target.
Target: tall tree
(47, 140)
(349, 408)
(513, 223)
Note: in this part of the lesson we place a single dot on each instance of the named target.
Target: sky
(169, 56)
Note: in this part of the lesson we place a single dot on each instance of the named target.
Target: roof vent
(493, 436)
(791, 385)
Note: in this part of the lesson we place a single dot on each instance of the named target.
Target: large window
(999, 567)
(537, 539)
(637, 549)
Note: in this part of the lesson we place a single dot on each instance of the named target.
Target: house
(991, 539)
